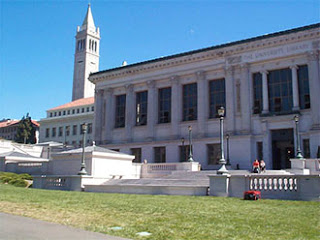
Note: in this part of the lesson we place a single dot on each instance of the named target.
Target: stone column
(230, 109)
(109, 115)
(295, 91)
(314, 86)
(265, 92)
(130, 112)
(98, 113)
(246, 96)
(152, 109)
(202, 93)
(176, 107)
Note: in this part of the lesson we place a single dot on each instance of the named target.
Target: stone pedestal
(298, 166)
(219, 185)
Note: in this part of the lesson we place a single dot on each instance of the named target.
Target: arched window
(90, 44)
(95, 46)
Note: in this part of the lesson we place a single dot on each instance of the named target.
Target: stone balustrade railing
(273, 183)
(289, 187)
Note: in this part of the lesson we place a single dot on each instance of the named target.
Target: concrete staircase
(177, 183)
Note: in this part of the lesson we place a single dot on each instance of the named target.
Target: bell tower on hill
(86, 58)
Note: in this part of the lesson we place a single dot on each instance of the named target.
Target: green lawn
(167, 217)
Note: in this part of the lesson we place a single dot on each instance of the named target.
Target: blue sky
(37, 38)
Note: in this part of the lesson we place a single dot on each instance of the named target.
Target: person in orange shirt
(256, 166)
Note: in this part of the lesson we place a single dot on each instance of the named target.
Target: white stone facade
(236, 63)
(64, 125)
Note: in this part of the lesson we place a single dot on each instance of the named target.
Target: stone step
(157, 182)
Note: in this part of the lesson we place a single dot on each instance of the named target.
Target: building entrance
(282, 148)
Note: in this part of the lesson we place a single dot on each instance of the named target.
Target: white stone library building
(145, 109)
(64, 123)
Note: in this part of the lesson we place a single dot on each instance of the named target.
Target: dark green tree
(26, 131)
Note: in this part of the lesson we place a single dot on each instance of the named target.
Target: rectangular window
(73, 111)
(160, 154)
(257, 93)
(280, 91)
(120, 115)
(60, 131)
(74, 130)
(190, 102)
(68, 112)
(259, 150)
(141, 108)
(59, 113)
(137, 153)
(64, 112)
(78, 110)
(304, 94)
(55, 114)
(89, 128)
(92, 108)
(51, 114)
(67, 130)
(82, 110)
(214, 153)
(53, 132)
(217, 96)
(164, 105)
(306, 148)
(88, 109)
(47, 132)
(184, 153)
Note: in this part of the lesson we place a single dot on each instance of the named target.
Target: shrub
(14, 179)
(18, 182)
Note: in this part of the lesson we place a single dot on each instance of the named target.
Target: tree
(26, 131)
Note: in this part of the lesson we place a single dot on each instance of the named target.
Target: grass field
(167, 217)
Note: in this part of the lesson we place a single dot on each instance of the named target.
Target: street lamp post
(299, 153)
(190, 159)
(222, 161)
(65, 135)
(228, 160)
(182, 141)
(83, 165)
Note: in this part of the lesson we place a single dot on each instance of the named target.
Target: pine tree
(26, 131)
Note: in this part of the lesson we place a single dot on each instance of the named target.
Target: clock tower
(86, 58)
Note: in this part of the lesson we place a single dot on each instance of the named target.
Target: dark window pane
(216, 96)
(160, 154)
(257, 93)
(164, 105)
(280, 91)
(214, 153)
(141, 108)
(137, 153)
(303, 80)
(120, 115)
(190, 101)
(184, 153)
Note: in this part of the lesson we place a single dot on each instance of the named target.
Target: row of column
(105, 108)
(105, 105)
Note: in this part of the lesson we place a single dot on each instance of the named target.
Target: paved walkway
(20, 228)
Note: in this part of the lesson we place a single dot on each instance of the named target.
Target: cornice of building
(222, 52)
